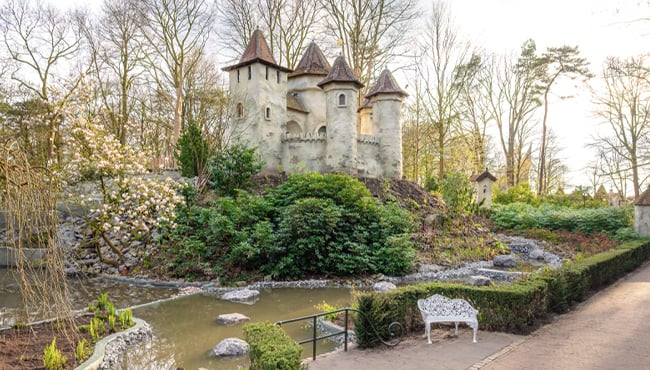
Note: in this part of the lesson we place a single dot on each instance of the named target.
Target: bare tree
(287, 23)
(559, 62)
(40, 40)
(514, 92)
(116, 45)
(177, 31)
(442, 52)
(624, 109)
(372, 31)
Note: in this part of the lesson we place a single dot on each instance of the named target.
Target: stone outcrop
(504, 260)
(383, 286)
(232, 318)
(248, 296)
(230, 347)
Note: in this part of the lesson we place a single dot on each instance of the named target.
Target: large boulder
(232, 318)
(504, 260)
(248, 296)
(230, 347)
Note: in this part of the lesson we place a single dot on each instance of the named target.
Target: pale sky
(600, 28)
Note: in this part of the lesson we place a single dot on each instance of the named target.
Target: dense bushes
(271, 348)
(311, 224)
(519, 307)
(521, 216)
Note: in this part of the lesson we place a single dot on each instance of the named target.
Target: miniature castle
(310, 119)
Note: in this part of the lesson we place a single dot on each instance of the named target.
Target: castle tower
(386, 98)
(342, 100)
(303, 86)
(259, 88)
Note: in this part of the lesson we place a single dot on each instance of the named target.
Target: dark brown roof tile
(312, 63)
(386, 84)
(340, 72)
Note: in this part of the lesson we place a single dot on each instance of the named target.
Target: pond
(185, 329)
(82, 291)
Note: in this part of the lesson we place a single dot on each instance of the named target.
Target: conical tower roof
(340, 72)
(313, 62)
(386, 84)
(257, 51)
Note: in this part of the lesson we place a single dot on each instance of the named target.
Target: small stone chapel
(310, 119)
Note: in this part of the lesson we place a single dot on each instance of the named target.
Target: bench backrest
(438, 305)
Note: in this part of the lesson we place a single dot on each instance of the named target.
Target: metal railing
(315, 338)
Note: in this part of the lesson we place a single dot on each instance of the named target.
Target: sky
(600, 28)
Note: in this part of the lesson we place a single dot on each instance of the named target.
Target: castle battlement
(308, 137)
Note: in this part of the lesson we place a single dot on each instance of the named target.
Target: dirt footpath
(609, 331)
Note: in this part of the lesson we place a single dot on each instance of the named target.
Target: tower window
(237, 75)
(277, 76)
(240, 110)
(267, 72)
(342, 100)
(322, 131)
(250, 73)
(267, 113)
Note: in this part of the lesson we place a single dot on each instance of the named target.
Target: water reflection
(186, 329)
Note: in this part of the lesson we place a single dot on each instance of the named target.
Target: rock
(241, 283)
(536, 254)
(230, 347)
(383, 286)
(504, 260)
(232, 318)
(430, 268)
(479, 280)
(243, 296)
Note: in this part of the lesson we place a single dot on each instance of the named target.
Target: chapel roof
(386, 84)
(258, 51)
(340, 72)
(485, 175)
(313, 62)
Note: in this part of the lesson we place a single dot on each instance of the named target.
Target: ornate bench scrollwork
(438, 308)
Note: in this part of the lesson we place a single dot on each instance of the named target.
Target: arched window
(293, 128)
(267, 113)
(240, 110)
(342, 100)
(322, 131)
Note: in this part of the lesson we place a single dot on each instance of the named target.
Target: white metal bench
(438, 308)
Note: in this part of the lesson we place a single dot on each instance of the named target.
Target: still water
(186, 329)
(82, 292)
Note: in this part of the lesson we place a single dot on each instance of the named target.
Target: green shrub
(192, 151)
(521, 216)
(83, 351)
(53, 359)
(231, 169)
(458, 193)
(271, 348)
(518, 307)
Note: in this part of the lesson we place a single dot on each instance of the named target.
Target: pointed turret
(386, 84)
(341, 72)
(258, 51)
(313, 62)
(386, 99)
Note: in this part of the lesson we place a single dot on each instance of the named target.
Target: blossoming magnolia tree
(132, 203)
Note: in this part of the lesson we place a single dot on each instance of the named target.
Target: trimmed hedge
(271, 348)
(517, 308)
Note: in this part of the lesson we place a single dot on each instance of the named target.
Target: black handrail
(316, 338)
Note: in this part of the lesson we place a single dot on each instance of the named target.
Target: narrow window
(322, 131)
(342, 102)
(267, 113)
(267, 72)
(240, 110)
(277, 76)
(250, 72)
(237, 75)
